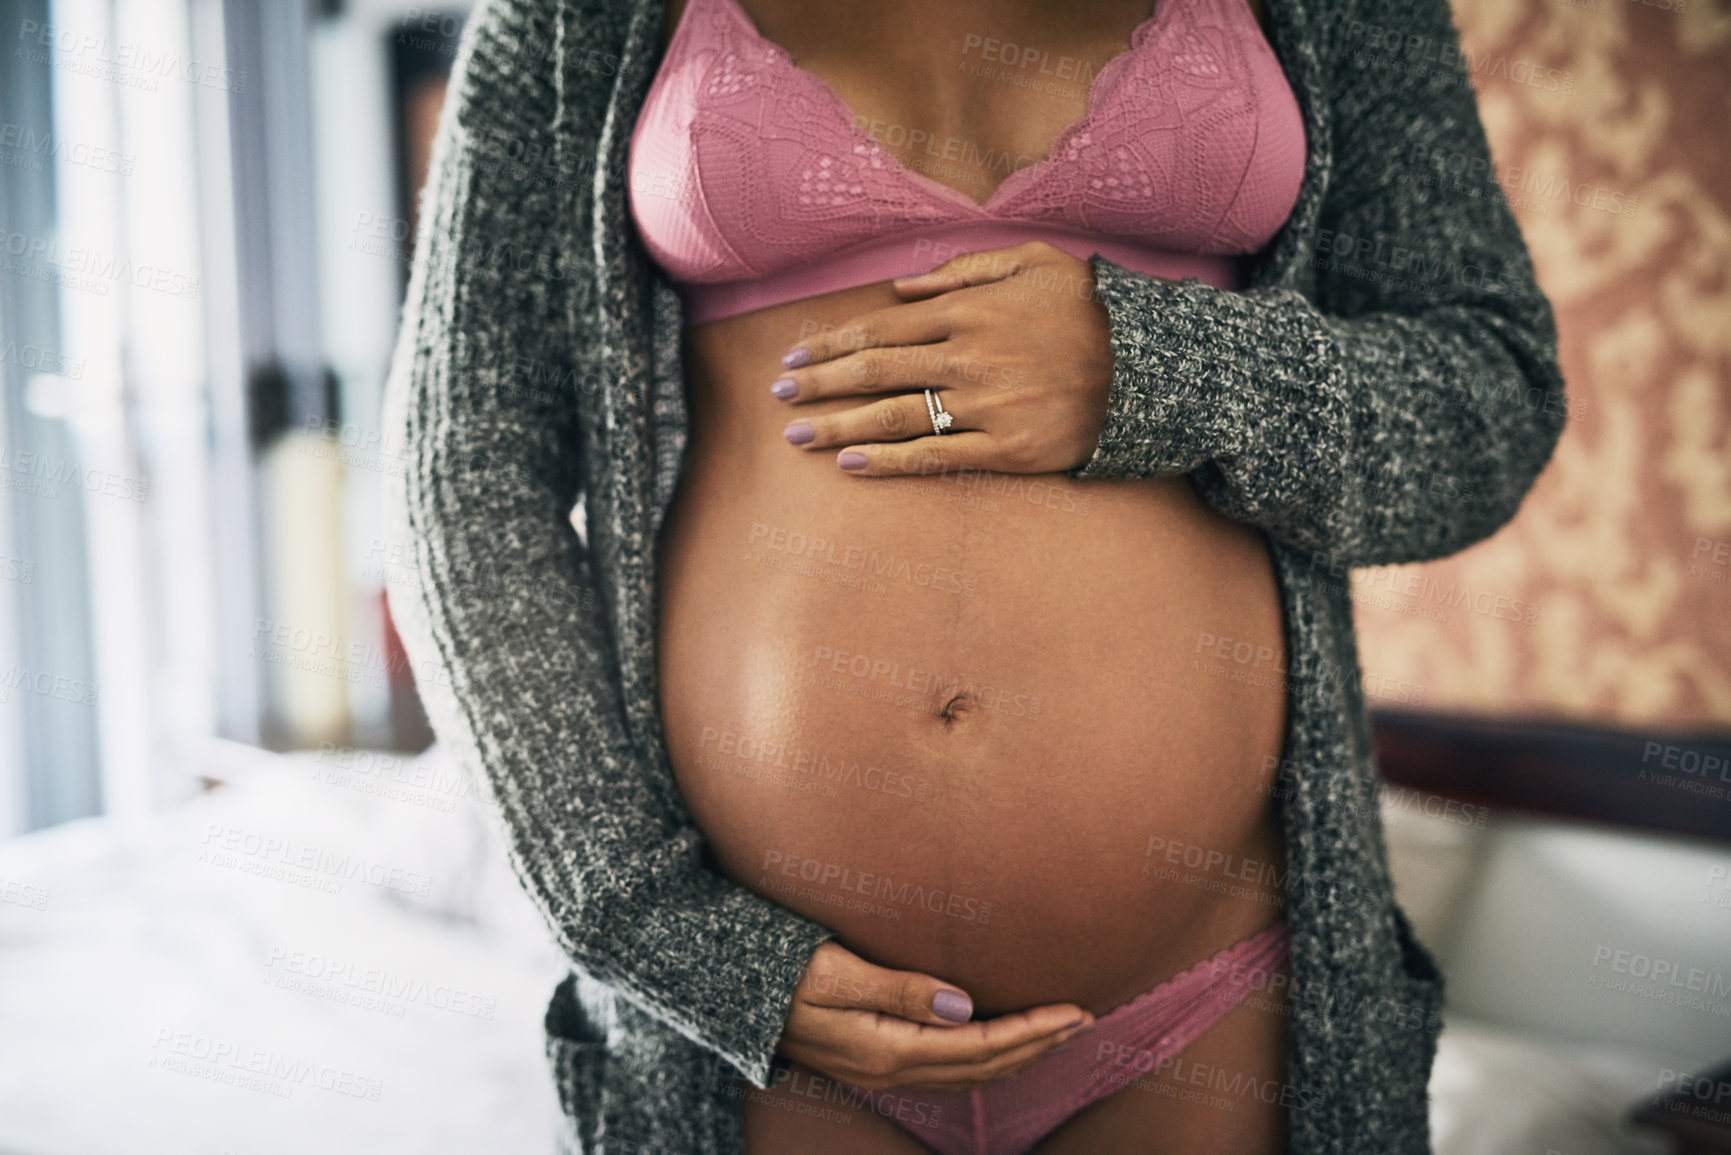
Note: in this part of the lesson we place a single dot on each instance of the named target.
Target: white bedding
(1504, 1092)
(194, 987)
(166, 999)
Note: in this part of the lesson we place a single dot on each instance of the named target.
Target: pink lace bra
(752, 185)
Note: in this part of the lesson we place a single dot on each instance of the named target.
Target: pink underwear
(1009, 1116)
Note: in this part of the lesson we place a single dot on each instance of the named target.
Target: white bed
(195, 986)
(159, 974)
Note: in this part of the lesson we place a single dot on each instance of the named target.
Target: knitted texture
(1384, 391)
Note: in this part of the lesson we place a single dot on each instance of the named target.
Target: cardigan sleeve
(1404, 413)
(500, 614)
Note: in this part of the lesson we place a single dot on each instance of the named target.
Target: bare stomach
(1015, 731)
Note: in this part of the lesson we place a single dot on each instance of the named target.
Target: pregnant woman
(941, 728)
(942, 709)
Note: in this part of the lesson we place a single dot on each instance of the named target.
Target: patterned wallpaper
(1608, 598)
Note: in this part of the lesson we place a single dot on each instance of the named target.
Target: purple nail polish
(796, 357)
(952, 1005)
(799, 433)
(786, 388)
(855, 461)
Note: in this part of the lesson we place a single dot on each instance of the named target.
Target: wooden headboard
(1676, 783)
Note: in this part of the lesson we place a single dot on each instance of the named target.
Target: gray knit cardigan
(1385, 391)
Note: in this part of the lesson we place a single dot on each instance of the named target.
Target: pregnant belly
(1015, 731)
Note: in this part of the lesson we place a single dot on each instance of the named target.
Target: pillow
(425, 809)
(1434, 849)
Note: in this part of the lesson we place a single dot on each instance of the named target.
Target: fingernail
(799, 355)
(1068, 1026)
(854, 461)
(951, 1005)
(799, 433)
(786, 388)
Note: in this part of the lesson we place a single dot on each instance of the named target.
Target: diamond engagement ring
(940, 419)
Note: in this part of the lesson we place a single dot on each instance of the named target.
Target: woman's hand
(881, 1028)
(1013, 341)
